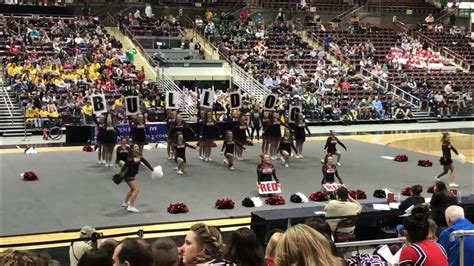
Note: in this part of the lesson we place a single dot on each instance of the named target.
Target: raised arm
(342, 144)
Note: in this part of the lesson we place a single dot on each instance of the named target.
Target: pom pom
(401, 158)
(178, 208)
(147, 147)
(406, 191)
(353, 194)
(296, 198)
(224, 204)
(161, 146)
(319, 196)
(379, 193)
(249, 142)
(30, 151)
(302, 196)
(425, 163)
(29, 176)
(361, 194)
(461, 158)
(430, 189)
(157, 172)
(87, 148)
(275, 200)
(257, 202)
(247, 202)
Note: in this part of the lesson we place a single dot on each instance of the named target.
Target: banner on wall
(154, 132)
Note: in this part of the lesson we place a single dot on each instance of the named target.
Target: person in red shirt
(422, 250)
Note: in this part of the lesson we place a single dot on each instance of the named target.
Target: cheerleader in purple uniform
(180, 149)
(228, 149)
(446, 160)
(330, 147)
(299, 128)
(286, 143)
(240, 132)
(138, 132)
(129, 171)
(100, 140)
(109, 140)
(209, 132)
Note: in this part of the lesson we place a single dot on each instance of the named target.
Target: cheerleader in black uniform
(286, 143)
(275, 134)
(138, 133)
(255, 122)
(228, 149)
(330, 147)
(100, 140)
(180, 149)
(109, 140)
(209, 133)
(179, 127)
(329, 171)
(122, 152)
(446, 160)
(240, 132)
(265, 170)
(300, 135)
(130, 170)
(201, 118)
(170, 123)
(266, 127)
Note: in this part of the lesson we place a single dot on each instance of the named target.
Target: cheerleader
(170, 123)
(266, 123)
(129, 171)
(180, 151)
(109, 140)
(122, 152)
(446, 160)
(100, 140)
(275, 133)
(329, 171)
(228, 149)
(209, 133)
(265, 170)
(255, 122)
(240, 132)
(286, 143)
(299, 128)
(330, 147)
(179, 127)
(138, 132)
(201, 118)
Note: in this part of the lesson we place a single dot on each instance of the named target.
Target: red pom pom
(425, 163)
(178, 208)
(319, 196)
(88, 148)
(401, 158)
(224, 204)
(275, 200)
(406, 191)
(361, 194)
(29, 176)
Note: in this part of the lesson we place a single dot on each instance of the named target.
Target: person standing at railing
(456, 221)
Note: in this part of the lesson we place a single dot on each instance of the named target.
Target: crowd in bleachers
(426, 226)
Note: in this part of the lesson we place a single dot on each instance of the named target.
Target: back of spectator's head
(133, 252)
(95, 257)
(108, 246)
(417, 226)
(319, 225)
(342, 194)
(216, 232)
(165, 252)
(302, 245)
(272, 243)
(243, 248)
(416, 190)
(453, 213)
(12, 257)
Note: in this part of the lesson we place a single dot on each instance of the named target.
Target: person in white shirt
(148, 11)
(429, 19)
(77, 249)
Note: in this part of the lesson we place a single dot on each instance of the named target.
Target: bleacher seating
(321, 5)
(417, 6)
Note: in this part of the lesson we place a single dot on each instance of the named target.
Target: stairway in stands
(11, 114)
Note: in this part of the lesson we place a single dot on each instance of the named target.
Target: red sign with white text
(331, 187)
(270, 187)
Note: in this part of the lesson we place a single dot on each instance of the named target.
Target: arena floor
(73, 190)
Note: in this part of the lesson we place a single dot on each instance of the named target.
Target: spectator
(456, 221)
(280, 16)
(414, 199)
(12, 257)
(378, 107)
(200, 246)
(87, 114)
(77, 249)
(322, 227)
(243, 248)
(421, 250)
(133, 252)
(95, 257)
(148, 11)
(259, 19)
(270, 250)
(165, 252)
(429, 20)
(344, 205)
(302, 245)
(108, 246)
(442, 199)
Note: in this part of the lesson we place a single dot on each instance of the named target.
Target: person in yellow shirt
(109, 61)
(94, 75)
(30, 116)
(87, 112)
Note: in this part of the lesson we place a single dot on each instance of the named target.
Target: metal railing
(7, 101)
(167, 84)
(371, 242)
(247, 83)
(461, 234)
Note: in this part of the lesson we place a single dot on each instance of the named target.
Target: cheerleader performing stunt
(330, 147)
(446, 160)
(129, 171)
